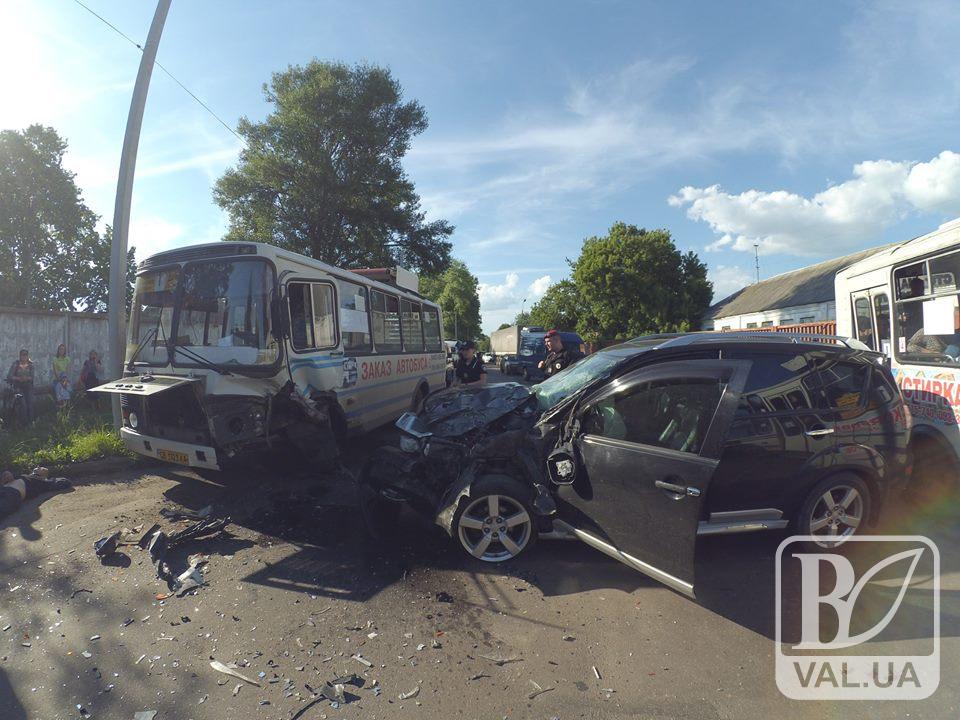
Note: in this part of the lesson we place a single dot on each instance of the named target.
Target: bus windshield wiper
(147, 336)
(199, 359)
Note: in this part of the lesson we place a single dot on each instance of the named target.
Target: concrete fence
(41, 331)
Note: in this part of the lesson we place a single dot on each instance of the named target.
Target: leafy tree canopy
(51, 255)
(561, 307)
(503, 325)
(635, 281)
(322, 174)
(455, 290)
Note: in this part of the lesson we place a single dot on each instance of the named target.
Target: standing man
(469, 369)
(558, 357)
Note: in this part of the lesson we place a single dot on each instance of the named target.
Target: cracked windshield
(505, 360)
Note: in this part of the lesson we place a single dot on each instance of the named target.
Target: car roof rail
(754, 336)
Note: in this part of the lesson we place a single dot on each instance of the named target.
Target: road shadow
(12, 709)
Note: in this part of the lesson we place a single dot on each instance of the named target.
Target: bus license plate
(174, 457)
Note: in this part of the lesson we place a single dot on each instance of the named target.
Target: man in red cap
(558, 357)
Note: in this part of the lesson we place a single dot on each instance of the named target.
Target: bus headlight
(133, 420)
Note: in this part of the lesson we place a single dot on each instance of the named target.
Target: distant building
(800, 296)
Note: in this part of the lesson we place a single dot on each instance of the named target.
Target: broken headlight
(409, 444)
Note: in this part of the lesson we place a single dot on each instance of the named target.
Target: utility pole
(121, 211)
(756, 257)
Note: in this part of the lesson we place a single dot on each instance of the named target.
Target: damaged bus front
(240, 347)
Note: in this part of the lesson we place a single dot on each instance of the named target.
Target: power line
(167, 72)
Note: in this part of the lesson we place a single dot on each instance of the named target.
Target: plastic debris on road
(409, 695)
(220, 667)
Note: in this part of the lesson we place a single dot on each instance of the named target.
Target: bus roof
(944, 237)
(205, 251)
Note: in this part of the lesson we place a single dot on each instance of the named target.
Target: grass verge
(71, 435)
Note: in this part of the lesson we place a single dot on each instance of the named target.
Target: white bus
(904, 301)
(243, 346)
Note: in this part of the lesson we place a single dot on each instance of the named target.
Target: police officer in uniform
(558, 357)
(469, 369)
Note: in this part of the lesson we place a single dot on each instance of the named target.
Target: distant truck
(506, 344)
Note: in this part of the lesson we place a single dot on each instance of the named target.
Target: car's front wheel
(495, 523)
(837, 508)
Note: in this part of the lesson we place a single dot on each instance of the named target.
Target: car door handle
(819, 432)
(678, 489)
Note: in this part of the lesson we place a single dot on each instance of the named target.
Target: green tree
(322, 174)
(560, 307)
(51, 255)
(522, 319)
(503, 325)
(456, 291)
(634, 281)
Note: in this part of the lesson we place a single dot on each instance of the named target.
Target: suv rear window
(778, 382)
(842, 386)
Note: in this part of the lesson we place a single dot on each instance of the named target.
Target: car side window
(672, 413)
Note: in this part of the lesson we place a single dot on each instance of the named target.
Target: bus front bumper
(169, 451)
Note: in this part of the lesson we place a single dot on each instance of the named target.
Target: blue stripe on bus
(383, 403)
(315, 363)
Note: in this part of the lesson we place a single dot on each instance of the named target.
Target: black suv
(639, 448)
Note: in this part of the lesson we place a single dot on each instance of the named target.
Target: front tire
(496, 522)
(837, 508)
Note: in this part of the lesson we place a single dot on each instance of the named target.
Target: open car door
(648, 446)
(144, 385)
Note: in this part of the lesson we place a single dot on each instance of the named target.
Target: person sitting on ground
(469, 368)
(61, 391)
(60, 364)
(14, 490)
(21, 377)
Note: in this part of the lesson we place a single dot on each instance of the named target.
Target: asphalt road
(296, 590)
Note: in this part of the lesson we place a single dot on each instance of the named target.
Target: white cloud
(539, 286)
(935, 185)
(150, 234)
(835, 220)
(503, 301)
(727, 279)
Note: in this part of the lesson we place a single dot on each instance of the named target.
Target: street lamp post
(116, 315)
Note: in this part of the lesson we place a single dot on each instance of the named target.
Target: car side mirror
(562, 465)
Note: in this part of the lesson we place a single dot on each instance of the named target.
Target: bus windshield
(223, 313)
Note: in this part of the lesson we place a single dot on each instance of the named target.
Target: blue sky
(813, 129)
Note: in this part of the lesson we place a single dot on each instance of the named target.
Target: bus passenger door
(871, 317)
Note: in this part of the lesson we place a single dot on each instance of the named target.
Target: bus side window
(431, 328)
(354, 321)
(301, 316)
(324, 322)
(385, 314)
(412, 331)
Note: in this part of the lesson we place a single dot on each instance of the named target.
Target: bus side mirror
(279, 317)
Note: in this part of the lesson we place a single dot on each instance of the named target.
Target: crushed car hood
(458, 411)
